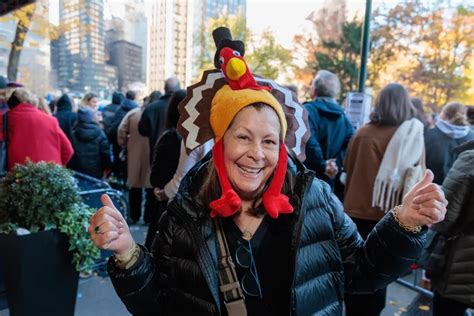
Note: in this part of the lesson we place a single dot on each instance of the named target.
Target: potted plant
(43, 239)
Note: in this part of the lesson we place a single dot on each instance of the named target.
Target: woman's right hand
(109, 230)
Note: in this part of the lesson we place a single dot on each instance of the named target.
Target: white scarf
(403, 151)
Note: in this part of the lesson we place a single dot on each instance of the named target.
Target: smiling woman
(254, 204)
(251, 149)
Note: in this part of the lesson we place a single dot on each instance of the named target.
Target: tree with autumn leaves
(32, 30)
(24, 16)
(428, 49)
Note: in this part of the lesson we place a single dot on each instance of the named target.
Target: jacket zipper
(204, 258)
(296, 238)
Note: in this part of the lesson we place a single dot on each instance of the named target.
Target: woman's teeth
(250, 170)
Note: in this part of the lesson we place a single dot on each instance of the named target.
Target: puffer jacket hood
(117, 98)
(455, 280)
(86, 129)
(329, 106)
(464, 146)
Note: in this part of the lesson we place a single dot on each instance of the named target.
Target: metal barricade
(414, 285)
(91, 189)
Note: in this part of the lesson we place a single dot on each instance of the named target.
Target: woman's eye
(270, 142)
(243, 137)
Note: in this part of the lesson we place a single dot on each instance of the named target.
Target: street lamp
(365, 46)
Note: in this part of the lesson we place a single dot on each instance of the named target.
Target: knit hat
(227, 103)
(219, 101)
(64, 103)
(117, 98)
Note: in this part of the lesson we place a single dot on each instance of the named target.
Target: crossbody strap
(229, 284)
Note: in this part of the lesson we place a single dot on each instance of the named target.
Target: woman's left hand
(424, 204)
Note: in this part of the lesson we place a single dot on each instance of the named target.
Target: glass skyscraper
(81, 56)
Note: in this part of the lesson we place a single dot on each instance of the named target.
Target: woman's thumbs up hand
(424, 204)
(109, 230)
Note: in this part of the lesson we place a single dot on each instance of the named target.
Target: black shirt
(271, 253)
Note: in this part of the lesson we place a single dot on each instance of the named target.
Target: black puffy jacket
(152, 122)
(178, 276)
(66, 117)
(456, 280)
(91, 149)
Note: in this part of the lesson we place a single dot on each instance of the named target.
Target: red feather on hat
(235, 69)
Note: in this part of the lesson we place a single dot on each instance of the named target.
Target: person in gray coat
(454, 285)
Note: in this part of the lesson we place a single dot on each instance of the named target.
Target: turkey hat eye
(236, 53)
(221, 60)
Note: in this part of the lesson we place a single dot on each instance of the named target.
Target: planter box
(39, 276)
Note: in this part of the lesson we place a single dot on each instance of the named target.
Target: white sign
(358, 108)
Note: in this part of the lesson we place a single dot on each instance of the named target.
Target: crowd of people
(302, 237)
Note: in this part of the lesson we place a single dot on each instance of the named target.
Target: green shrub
(42, 196)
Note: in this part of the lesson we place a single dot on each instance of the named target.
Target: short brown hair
(392, 106)
(455, 113)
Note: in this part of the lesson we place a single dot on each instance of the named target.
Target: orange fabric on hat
(227, 103)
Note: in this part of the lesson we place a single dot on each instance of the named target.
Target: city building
(128, 22)
(178, 37)
(127, 57)
(111, 73)
(81, 55)
(170, 39)
(136, 30)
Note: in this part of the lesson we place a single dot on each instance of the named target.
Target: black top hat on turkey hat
(223, 38)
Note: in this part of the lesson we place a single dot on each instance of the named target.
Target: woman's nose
(256, 152)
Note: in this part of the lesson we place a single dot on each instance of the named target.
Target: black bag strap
(229, 284)
(4, 157)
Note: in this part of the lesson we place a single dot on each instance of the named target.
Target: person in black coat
(151, 124)
(65, 116)
(109, 112)
(451, 130)
(295, 251)
(165, 161)
(91, 147)
(453, 283)
(119, 165)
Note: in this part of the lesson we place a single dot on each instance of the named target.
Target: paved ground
(96, 296)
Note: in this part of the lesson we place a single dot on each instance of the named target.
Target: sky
(285, 17)
(288, 18)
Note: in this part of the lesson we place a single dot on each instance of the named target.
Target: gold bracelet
(128, 259)
(395, 213)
